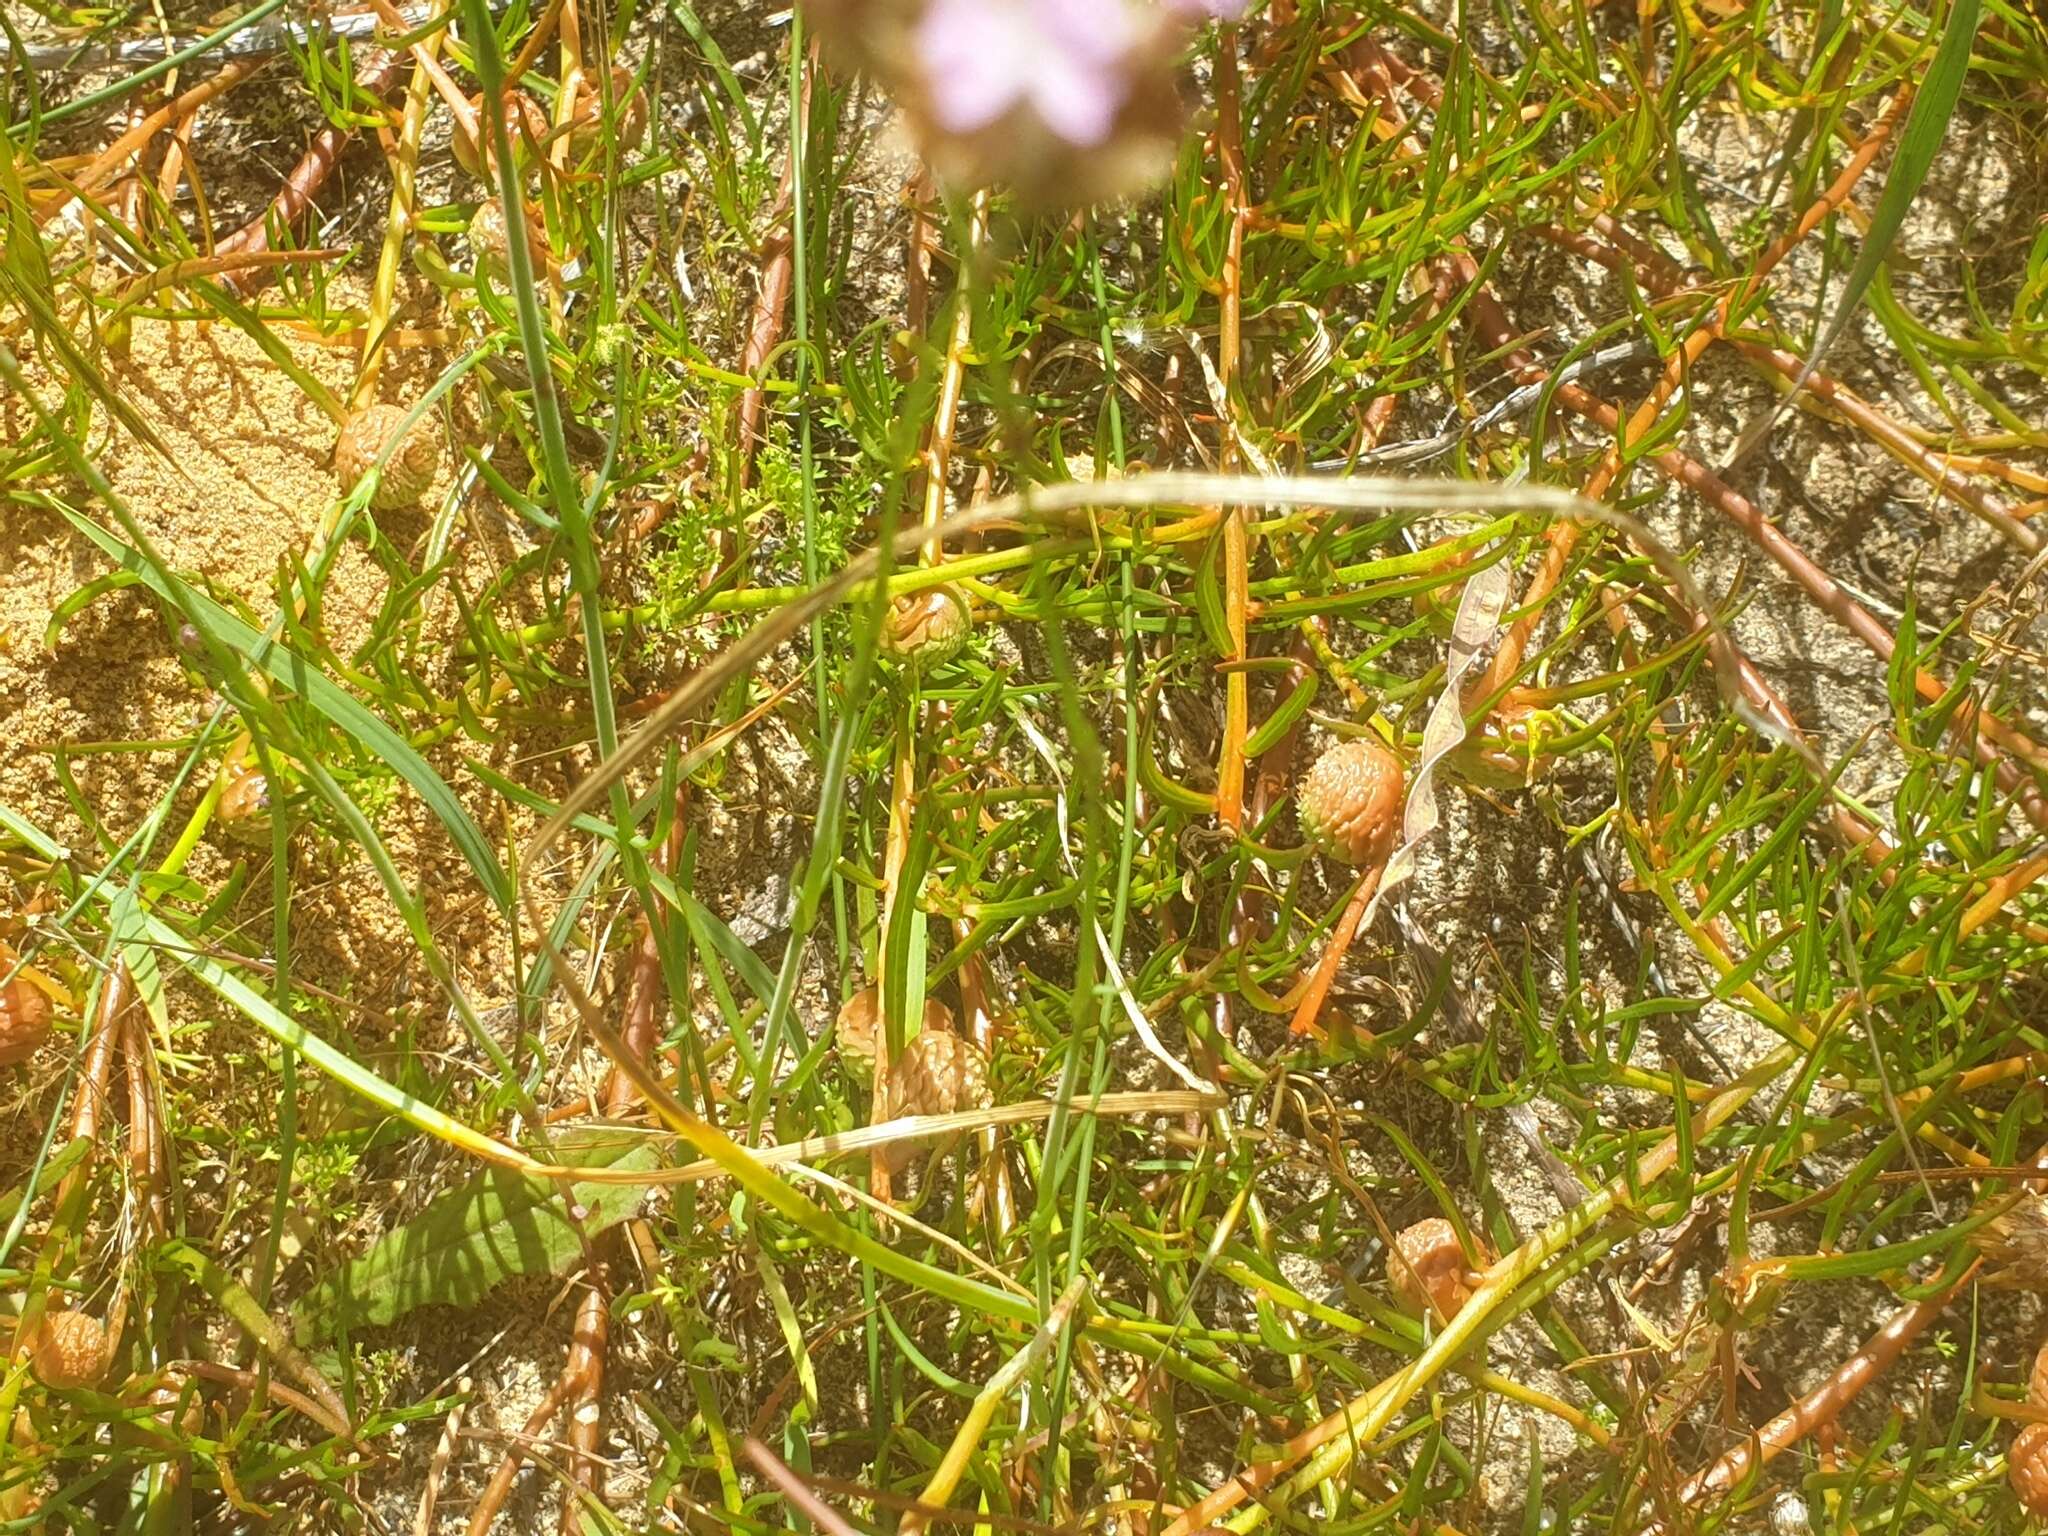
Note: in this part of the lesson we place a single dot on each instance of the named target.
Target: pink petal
(976, 57)
(1077, 99)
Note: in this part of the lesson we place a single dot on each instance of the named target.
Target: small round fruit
(860, 1018)
(930, 625)
(526, 125)
(1434, 1271)
(586, 124)
(2015, 1243)
(244, 808)
(1350, 801)
(859, 1026)
(2027, 1465)
(24, 1017)
(490, 241)
(2037, 1379)
(410, 472)
(938, 1074)
(71, 1350)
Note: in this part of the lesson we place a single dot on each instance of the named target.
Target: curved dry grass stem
(404, 163)
(107, 164)
(1068, 505)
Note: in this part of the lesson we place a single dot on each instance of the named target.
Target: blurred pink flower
(1068, 59)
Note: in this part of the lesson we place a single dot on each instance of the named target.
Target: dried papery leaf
(629, 123)
(526, 125)
(1479, 611)
(24, 1017)
(490, 241)
(859, 1022)
(71, 1350)
(244, 808)
(859, 1025)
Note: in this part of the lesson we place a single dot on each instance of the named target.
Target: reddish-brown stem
(582, 1381)
(583, 1374)
(1824, 1404)
(128, 192)
(172, 171)
(146, 1171)
(777, 260)
(109, 161)
(500, 1485)
(377, 72)
(1563, 537)
(96, 1077)
(1312, 999)
(179, 272)
(917, 264)
(1983, 732)
(1935, 468)
(1946, 472)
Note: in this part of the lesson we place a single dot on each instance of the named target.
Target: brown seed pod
(408, 475)
(24, 1017)
(1349, 803)
(244, 808)
(2037, 1379)
(1434, 1271)
(2015, 1244)
(526, 125)
(490, 241)
(2027, 1465)
(71, 1350)
(930, 625)
(938, 1074)
(586, 121)
(860, 1023)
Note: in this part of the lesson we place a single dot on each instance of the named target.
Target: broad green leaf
(493, 1227)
